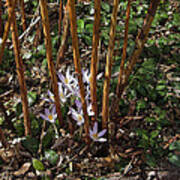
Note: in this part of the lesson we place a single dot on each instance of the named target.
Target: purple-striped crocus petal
(61, 77)
(74, 117)
(101, 133)
(79, 123)
(51, 96)
(66, 93)
(54, 110)
(71, 110)
(76, 92)
(50, 93)
(78, 104)
(43, 116)
(47, 112)
(46, 99)
(90, 132)
(95, 128)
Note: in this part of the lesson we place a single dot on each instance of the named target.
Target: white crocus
(63, 93)
(68, 81)
(89, 107)
(86, 76)
(77, 116)
(51, 97)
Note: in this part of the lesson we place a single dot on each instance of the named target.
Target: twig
(28, 30)
(42, 136)
(6, 93)
(74, 157)
(2, 138)
(32, 24)
(6, 117)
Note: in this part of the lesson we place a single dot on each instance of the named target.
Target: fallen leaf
(24, 168)
(7, 155)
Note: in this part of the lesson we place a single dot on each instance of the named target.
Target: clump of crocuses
(69, 93)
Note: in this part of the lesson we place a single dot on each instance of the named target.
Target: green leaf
(175, 159)
(150, 160)
(80, 25)
(38, 165)
(174, 146)
(27, 55)
(18, 109)
(106, 7)
(151, 119)
(88, 40)
(154, 133)
(47, 140)
(41, 49)
(31, 98)
(51, 156)
(44, 63)
(160, 87)
(89, 28)
(31, 144)
(141, 104)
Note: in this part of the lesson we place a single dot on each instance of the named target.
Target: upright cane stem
(140, 41)
(109, 59)
(23, 17)
(1, 22)
(72, 15)
(19, 68)
(60, 16)
(6, 31)
(94, 58)
(46, 29)
(121, 73)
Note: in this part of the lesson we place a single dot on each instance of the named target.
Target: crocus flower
(69, 80)
(49, 115)
(88, 93)
(87, 76)
(51, 97)
(63, 93)
(89, 107)
(77, 116)
(95, 136)
(78, 104)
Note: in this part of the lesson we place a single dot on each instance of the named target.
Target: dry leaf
(6, 155)
(24, 168)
